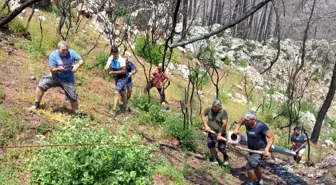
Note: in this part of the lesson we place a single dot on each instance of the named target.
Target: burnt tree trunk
(324, 108)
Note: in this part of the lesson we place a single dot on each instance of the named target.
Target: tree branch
(16, 12)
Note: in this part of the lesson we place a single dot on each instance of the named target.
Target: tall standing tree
(324, 108)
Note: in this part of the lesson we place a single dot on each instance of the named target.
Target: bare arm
(205, 125)
(78, 65)
(270, 140)
(56, 70)
(239, 124)
(224, 124)
(134, 71)
(122, 71)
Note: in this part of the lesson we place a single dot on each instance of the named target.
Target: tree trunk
(262, 23)
(195, 9)
(234, 16)
(185, 19)
(324, 108)
(211, 11)
(268, 25)
(16, 12)
(204, 13)
(190, 8)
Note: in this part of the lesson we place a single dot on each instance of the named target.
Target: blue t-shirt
(116, 65)
(299, 140)
(256, 138)
(55, 60)
(129, 68)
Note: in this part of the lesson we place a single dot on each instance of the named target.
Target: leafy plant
(2, 94)
(227, 60)
(242, 63)
(16, 26)
(152, 52)
(34, 48)
(101, 58)
(199, 78)
(173, 125)
(110, 164)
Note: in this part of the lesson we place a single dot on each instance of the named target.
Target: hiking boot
(32, 108)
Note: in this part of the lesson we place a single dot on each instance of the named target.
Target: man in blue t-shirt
(257, 132)
(299, 141)
(116, 66)
(131, 70)
(62, 67)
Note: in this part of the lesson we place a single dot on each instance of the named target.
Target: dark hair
(115, 49)
(297, 128)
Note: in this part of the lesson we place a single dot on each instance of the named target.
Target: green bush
(101, 59)
(199, 78)
(110, 164)
(16, 26)
(242, 63)
(227, 60)
(190, 55)
(152, 52)
(53, 9)
(34, 48)
(2, 94)
(174, 126)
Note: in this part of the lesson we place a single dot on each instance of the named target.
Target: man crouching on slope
(257, 132)
(217, 121)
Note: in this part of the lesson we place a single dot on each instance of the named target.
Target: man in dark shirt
(299, 141)
(257, 132)
(217, 121)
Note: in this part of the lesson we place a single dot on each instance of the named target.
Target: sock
(37, 104)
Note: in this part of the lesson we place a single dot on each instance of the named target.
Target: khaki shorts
(69, 88)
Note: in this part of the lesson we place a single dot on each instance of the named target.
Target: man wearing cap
(257, 132)
(217, 121)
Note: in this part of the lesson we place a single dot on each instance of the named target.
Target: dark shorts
(129, 83)
(69, 88)
(120, 84)
(212, 140)
(253, 161)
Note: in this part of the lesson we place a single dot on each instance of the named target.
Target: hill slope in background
(24, 61)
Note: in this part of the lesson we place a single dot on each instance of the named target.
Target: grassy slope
(95, 92)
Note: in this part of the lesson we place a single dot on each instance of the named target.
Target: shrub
(34, 48)
(227, 60)
(101, 59)
(17, 27)
(113, 164)
(242, 63)
(152, 52)
(53, 9)
(199, 78)
(2, 94)
(174, 126)
(190, 55)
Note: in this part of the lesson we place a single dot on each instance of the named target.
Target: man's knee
(211, 144)
(253, 162)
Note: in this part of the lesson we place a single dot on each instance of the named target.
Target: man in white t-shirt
(117, 66)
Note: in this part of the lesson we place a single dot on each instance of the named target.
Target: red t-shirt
(158, 79)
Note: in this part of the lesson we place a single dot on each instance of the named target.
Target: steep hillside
(146, 138)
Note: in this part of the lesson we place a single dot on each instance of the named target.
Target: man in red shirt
(158, 80)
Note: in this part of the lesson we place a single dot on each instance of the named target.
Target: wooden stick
(249, 150)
